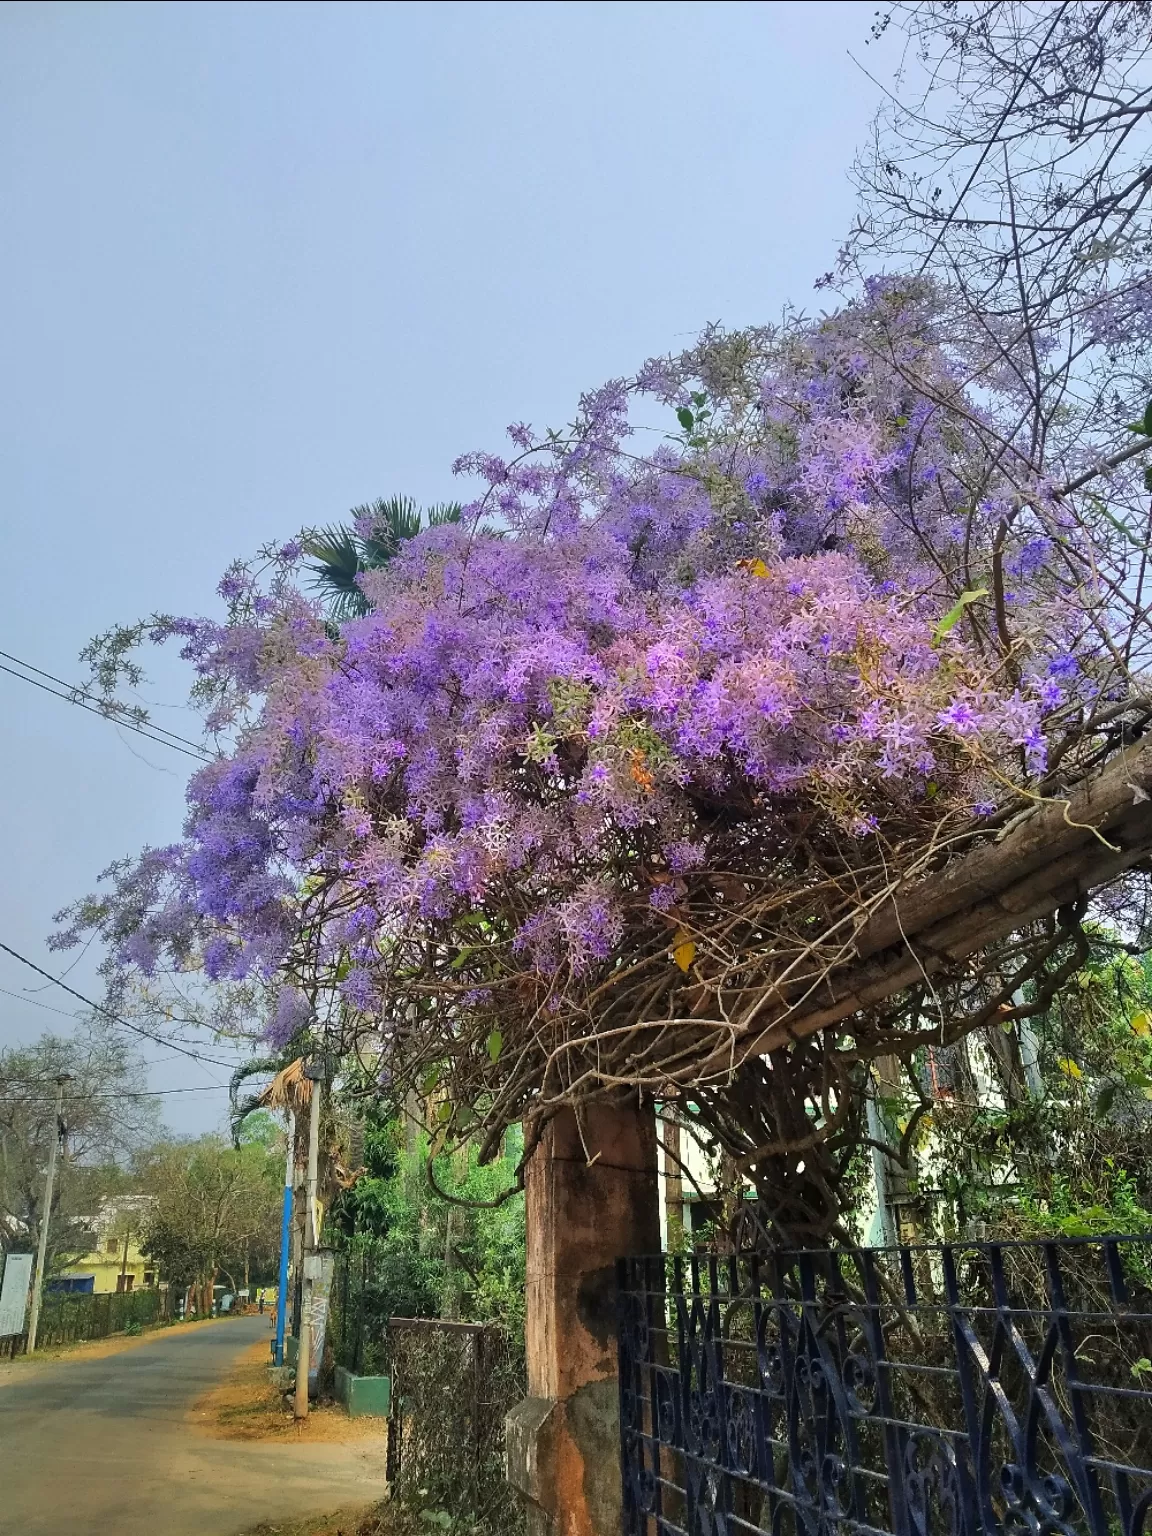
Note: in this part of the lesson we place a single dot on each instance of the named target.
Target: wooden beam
(1063, 851)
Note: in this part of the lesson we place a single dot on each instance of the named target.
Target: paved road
(103, 1448)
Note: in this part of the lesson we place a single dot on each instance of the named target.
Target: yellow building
(114, 1262)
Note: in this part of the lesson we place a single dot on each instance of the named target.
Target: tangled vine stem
(784, 1099)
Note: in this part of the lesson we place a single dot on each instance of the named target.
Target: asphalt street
(90, 1447)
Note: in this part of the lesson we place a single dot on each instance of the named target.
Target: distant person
(260, 1301)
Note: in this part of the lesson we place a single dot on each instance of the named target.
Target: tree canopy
(215, 1210)
(104, 1125)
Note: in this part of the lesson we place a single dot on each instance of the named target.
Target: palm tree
(340, 553)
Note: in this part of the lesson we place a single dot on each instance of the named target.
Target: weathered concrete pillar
(592, 1196)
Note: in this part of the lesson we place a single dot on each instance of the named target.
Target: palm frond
(390, 523)
(242, 1107)
(289, 1089)
(340, 553)
(337, 561)
(444, 512)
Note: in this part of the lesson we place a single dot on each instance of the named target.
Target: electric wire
(137, 1029)
(86, 1098)
(69, 696)
(161, 730)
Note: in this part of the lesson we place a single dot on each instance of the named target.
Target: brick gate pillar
(591, 1198)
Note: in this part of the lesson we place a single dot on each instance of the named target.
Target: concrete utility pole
(46, 1213)
(285, 1243)
(315, 1074)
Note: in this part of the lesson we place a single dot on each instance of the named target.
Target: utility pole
(315, 1074)
(46, 1213)
(285, 1243)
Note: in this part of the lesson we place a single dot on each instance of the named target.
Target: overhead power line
(137, 1029)
(71, 695)
(141, 1093)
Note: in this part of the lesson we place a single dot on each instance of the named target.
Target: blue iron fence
(959, 1390)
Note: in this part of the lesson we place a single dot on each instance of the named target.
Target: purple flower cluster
(551, 701)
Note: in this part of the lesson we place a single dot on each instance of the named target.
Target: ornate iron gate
(929, 1391)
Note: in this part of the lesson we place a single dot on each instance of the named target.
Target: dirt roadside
(246, 1405)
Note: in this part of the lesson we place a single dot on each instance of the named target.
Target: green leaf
(950, 620)
(1148, 478)
(1105, 1098)
(431, 1078)
(686, 419)
(444, 1111)
(1141, 1367)
(495, 1045)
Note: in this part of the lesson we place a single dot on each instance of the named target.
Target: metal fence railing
(72, 1319)
(964, 1390)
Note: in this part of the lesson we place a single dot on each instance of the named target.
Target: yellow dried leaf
(1069, 1068)
(758, 568)
(639, 771)
(684, 953)
(1141, 1024)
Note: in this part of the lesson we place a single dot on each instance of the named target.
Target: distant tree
(103, 1128)
(259, 1129)
(216, 1211)
(342, 554)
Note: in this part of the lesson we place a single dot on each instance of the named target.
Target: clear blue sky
(261, 262)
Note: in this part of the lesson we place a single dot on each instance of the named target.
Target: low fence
(452, 1385)
(359, 1307)
(932, 1391)
(72, 1319)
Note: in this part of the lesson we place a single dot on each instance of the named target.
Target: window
(149, 1277)
(124, 1282)
(112, 1246)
